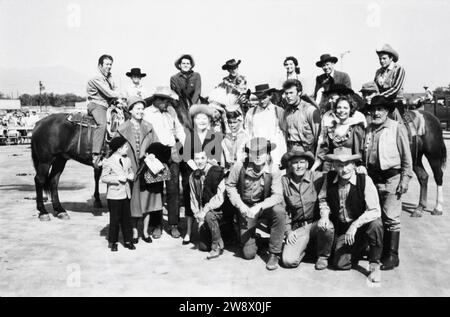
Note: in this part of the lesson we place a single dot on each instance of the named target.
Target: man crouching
(350, 200)
(300, 189)
(254, 188)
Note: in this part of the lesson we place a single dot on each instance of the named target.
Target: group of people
(318, 175)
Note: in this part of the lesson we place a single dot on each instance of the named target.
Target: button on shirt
(165, 124)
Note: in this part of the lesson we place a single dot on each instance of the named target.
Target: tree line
(49, 99)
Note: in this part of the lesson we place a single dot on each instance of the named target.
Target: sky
(72, 34)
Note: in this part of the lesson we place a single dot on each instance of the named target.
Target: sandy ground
(71, 258)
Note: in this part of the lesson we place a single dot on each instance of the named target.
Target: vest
(267, 183)
(356, 202)
(388, 154)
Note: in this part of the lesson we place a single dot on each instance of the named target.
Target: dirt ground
(71, 258)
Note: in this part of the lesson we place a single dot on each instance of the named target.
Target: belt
(380, 176)
(297, 223)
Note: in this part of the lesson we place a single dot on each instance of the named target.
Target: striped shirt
(390, 81)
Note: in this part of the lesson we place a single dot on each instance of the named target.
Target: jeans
(323, 241)
(391, 205)
(119, 215)
(99, 114)
(247, 226)
(371, 232)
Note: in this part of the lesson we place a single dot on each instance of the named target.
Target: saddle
(86, 124)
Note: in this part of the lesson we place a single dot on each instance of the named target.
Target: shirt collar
(332, 74)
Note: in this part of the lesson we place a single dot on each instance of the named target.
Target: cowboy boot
(392, 260)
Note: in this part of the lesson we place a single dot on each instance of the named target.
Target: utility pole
(41, 88)
(342, 58)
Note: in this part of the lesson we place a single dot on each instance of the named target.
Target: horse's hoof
(44, 217)
(436, 212)
(98, 204)
(63, 216)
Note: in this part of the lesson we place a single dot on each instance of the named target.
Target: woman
(202, 137)
(292, 69)
(342, 126)
(139, 135)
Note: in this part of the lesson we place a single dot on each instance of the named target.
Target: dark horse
(54, 141)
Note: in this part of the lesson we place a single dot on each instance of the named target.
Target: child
(117, 173)
(136, 88)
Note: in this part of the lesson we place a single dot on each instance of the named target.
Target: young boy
(207, 195)
(117, 173)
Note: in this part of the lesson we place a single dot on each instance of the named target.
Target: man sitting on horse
(101, 91)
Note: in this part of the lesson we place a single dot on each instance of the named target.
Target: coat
(112, 171)
(148, 136)
(338, 78)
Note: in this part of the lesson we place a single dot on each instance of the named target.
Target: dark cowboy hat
(135, 72)
(388, 49)
(371, 86)
(263, 89)
(161, 92)
(381, 101)
(116, 143)
(339, 89)
(259, 145)
(187, 56)
(287, 157)
(161, 151)
(230, 64)
(326, 58)
(343, 155)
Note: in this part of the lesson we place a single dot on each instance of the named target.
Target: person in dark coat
(330, 76)
(187, 84)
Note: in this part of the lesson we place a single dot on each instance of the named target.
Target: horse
(431, 145)
(54, 141)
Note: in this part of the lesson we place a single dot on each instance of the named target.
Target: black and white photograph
(194, 149)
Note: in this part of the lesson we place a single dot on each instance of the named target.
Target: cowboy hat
(259, 145)
(382, 101)
(371, 86)
(184, 56)
(162, 92)
(135, 72)
(263, 89)
(230, 64)
(388, 49)
(339, 89)
(343, 155)
(202, 108)
(326, 58)
(288, 156)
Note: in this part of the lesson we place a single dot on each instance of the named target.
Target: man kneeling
(300, 189)
(254, 188)
(207, 196)
(353, 207)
